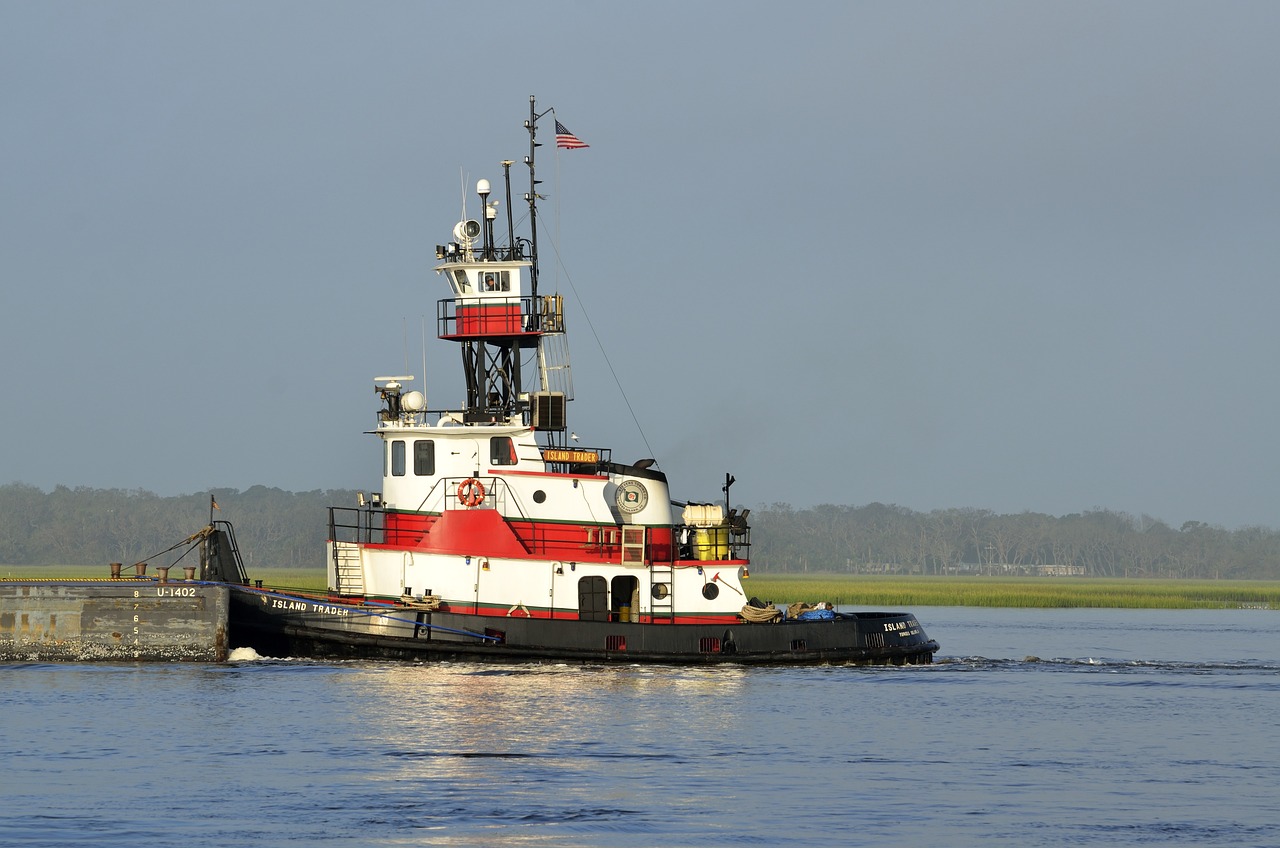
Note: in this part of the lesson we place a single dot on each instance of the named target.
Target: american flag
(566, 139)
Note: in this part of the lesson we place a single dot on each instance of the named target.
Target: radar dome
(413, 402)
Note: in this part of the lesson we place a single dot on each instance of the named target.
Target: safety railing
(479, 316)
(730, 540)
(363, 525)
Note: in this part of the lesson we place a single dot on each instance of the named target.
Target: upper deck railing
(488, 315)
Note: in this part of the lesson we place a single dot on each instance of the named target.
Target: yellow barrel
(711, 543)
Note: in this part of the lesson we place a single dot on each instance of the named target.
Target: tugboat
(496, 536)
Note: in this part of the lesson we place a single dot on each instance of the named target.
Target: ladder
(554, 372)
(348, 568)
(662, 592)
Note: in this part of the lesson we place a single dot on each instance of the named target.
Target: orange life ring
(471, 492)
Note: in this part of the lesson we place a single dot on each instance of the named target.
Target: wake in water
(1106, 664)
(243, 655)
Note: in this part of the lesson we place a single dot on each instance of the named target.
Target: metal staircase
(348, 568)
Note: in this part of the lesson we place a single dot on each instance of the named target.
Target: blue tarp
(816, 615)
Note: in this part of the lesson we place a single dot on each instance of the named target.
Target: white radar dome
(413, 402)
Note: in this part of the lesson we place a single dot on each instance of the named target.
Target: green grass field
(884, 592)
(293, 578)
(875, 591)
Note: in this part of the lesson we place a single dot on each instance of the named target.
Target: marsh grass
(291, 578)
(878, 591)
(865, 591)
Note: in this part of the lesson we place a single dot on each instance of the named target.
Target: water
(1133, 728)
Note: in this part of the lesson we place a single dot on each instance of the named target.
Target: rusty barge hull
(112, 620)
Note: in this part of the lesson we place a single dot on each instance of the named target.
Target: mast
(496, 313)
(532, 197)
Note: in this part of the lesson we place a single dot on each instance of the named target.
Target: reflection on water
(519, 709)
(1128, 729)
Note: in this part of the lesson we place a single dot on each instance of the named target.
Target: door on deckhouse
(593, 599)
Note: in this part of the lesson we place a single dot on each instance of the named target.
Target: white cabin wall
(537, 583)
(657, 511)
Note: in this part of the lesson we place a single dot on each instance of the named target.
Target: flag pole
(532, 125)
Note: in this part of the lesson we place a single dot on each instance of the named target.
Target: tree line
(276, 528)
(84, 526)
(884, 538)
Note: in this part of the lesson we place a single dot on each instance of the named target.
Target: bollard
(188, 572)
(163, 572)
(115, 570)
(139, 568)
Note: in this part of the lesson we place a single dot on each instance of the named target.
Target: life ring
(471, 492)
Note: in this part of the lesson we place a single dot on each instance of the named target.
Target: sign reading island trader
(569, 455)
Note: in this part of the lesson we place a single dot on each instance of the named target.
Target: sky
(1007, 256)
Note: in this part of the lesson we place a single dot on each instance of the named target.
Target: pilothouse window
(424, 457)
(502, 451)
(397, 458)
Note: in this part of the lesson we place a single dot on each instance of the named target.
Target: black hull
(289, 626)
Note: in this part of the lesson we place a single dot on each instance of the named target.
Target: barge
(122, 619)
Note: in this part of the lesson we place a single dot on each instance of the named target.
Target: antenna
(463, 177)
(511, 227)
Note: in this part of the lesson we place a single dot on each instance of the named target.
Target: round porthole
(710, 591)
(539, 496)
(660, 590)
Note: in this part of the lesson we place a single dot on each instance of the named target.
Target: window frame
(424, 466)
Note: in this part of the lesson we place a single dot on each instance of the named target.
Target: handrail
(367, 524)
(711, 544)
(496, 314)
(493, 485)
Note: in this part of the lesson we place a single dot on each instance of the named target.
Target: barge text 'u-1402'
(496, 536)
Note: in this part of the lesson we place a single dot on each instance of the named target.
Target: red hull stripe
(483, 532)
(463, 608)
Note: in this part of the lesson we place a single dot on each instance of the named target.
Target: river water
(1132, 728)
